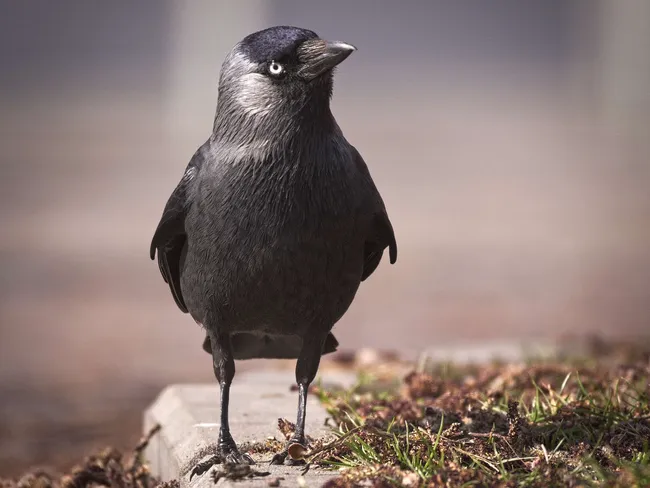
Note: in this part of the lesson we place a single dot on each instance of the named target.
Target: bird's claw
(236, 457)
(283, 457)
(227, 455)
(279, 458)
(203, 466)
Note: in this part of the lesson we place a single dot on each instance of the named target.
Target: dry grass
(106, 468)
(561, 422)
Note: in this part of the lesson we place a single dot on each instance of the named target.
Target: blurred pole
(202, 32)
(624, 45)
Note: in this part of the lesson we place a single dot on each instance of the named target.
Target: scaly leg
(306, 369)
(224, 371)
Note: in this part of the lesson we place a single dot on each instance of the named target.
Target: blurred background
(510, 140)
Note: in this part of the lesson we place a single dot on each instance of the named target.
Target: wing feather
(381, 234)
(169, 240)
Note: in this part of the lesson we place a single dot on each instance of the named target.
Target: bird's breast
(278, 255)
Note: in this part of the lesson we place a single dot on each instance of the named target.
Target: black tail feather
(253, 346)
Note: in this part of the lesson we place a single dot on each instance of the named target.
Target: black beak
(318, 56)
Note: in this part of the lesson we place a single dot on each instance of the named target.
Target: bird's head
(279, 71)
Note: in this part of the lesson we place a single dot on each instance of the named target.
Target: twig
(141, 446)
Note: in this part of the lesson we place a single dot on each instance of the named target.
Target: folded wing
(381, 234)
(170, 237)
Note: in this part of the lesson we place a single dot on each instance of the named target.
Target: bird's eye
(276, 69)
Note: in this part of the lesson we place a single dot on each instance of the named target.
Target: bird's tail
(256, 346)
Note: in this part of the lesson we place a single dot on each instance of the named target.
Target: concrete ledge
(189, 416)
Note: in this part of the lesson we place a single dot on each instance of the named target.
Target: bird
(276, 220)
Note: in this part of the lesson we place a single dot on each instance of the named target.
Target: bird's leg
(224, 370)
(299, 433)
(306, 369)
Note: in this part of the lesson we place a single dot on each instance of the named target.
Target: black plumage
(276, 220)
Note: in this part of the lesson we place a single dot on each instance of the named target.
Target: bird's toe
(279, 458)
(204, 466)
(227, 454)
(236, 457)
(284, 458)
(294, 462)
(292, 455)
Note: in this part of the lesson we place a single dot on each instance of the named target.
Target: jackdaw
(276, 220)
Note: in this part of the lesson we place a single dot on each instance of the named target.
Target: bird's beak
(318, 56)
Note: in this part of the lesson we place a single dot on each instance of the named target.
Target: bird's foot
(237, 457)
(203, 466)
(283, 458)
(292, 454)
(227, 454)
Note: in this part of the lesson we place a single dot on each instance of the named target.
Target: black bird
(276, 220)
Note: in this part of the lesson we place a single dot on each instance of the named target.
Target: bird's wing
(381, 233)
(169, 238)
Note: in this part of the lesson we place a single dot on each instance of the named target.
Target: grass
(554, 422)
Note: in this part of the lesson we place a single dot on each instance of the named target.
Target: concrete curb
(189, 416)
